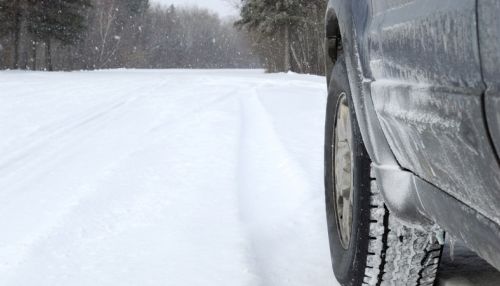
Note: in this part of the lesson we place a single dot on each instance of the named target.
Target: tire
(380, 250)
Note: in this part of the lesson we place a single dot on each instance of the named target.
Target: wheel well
(333, 41)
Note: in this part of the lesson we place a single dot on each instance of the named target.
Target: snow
(132, 177)
(176, 177)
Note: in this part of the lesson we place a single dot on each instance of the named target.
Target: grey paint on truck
(424, 76)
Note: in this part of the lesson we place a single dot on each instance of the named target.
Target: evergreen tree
(11, 17)
(273, 18)
(8, 12)
(286, 30)
(60, 20)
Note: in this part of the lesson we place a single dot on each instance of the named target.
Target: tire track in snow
(76, 131)
(232, 206)
(63, 129)
(76, 128)
(274, 196)
(90, 201)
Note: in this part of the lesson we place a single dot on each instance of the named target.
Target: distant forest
(280, 35)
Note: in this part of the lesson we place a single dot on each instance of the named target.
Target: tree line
(288, 35)
(281, 35)
(98, 34)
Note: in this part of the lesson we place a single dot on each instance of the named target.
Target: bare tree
(129, 33)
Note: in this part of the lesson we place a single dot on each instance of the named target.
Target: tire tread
(398, 255)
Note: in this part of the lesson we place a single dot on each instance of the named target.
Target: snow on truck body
(424, 83)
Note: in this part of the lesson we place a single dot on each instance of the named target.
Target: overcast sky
(220, 6)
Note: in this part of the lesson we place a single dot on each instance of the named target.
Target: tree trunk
(17, 34)
(287, 66)
(48, 55)
(297, 60)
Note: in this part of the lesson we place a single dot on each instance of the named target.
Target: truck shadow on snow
(462, 267)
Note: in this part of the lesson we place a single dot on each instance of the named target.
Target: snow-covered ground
(178, 178)
(172, 178)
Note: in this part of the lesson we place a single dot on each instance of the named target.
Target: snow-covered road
(171, 178)
(178, 178)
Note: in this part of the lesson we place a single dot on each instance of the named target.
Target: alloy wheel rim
(343, 171)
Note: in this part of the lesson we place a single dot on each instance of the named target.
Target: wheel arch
(396, 184)
(332, 41)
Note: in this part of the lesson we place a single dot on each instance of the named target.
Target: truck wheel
(368, 245)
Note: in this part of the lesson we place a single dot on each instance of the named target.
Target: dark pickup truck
(412, 136)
